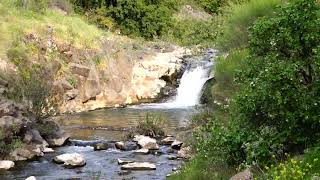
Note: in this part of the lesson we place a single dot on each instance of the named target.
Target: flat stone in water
(124, 161)
(139, 166)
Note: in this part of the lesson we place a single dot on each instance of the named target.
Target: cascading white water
(191, 84)
(190, 87)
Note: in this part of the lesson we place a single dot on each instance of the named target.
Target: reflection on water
(111, 124)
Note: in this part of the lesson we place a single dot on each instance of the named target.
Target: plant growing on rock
(152, 125)
(32, 82)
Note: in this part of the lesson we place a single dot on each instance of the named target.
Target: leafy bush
(215, 6)
(142, 18)
(239, 17)
(193, 32)
(225, 73)
(280, 87)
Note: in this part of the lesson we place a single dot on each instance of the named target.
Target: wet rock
(124, 161)
(142, 151)
(57, 139)
(103, 146)
(184, 153)
(120, 145)
(175, 169)
(80, 70)
(31, 178)
(127, 146)
(172, 157)
(139, 166)
(146, 142)
(22, 154)
(124, 173)
(33, 136)
(70, 160)
(176, 145)
(244, 175)
(6, 165)
(48, 150)
(167, 141)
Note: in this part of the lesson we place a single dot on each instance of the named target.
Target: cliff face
(123, 81)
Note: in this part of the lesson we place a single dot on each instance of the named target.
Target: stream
(112, 125)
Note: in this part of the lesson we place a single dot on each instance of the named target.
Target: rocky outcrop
(122, 81)
(15, 124)
(70, 160)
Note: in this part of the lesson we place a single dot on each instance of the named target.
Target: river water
(113, 124)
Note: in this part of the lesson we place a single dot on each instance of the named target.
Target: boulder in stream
(167, 141)
(103, 146)
(146, 142)
(176, 145)
(126, 146)
(6, 165)
(70, 160)
(139, 166)
(57, 139)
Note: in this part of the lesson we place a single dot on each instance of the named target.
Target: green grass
(239, 17)
(16, 22)
(200, 169)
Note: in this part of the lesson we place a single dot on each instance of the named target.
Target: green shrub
(152, 125)
(280, 86)
(9, 141)
(239, 17)
(305, 167)
(225, 73)
(216, 6)
(193, 32)
(142, 18)
(31, 83)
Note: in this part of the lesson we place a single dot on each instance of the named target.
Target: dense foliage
(272, 111)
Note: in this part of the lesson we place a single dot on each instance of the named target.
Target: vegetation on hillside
(267, 88)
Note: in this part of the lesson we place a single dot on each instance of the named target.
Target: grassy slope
(16, 22)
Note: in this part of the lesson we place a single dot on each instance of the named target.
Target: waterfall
(191, 84)
(190, 87)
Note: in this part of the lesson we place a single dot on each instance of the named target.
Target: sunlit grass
(16, 22)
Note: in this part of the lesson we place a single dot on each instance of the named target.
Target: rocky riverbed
(104, 153)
